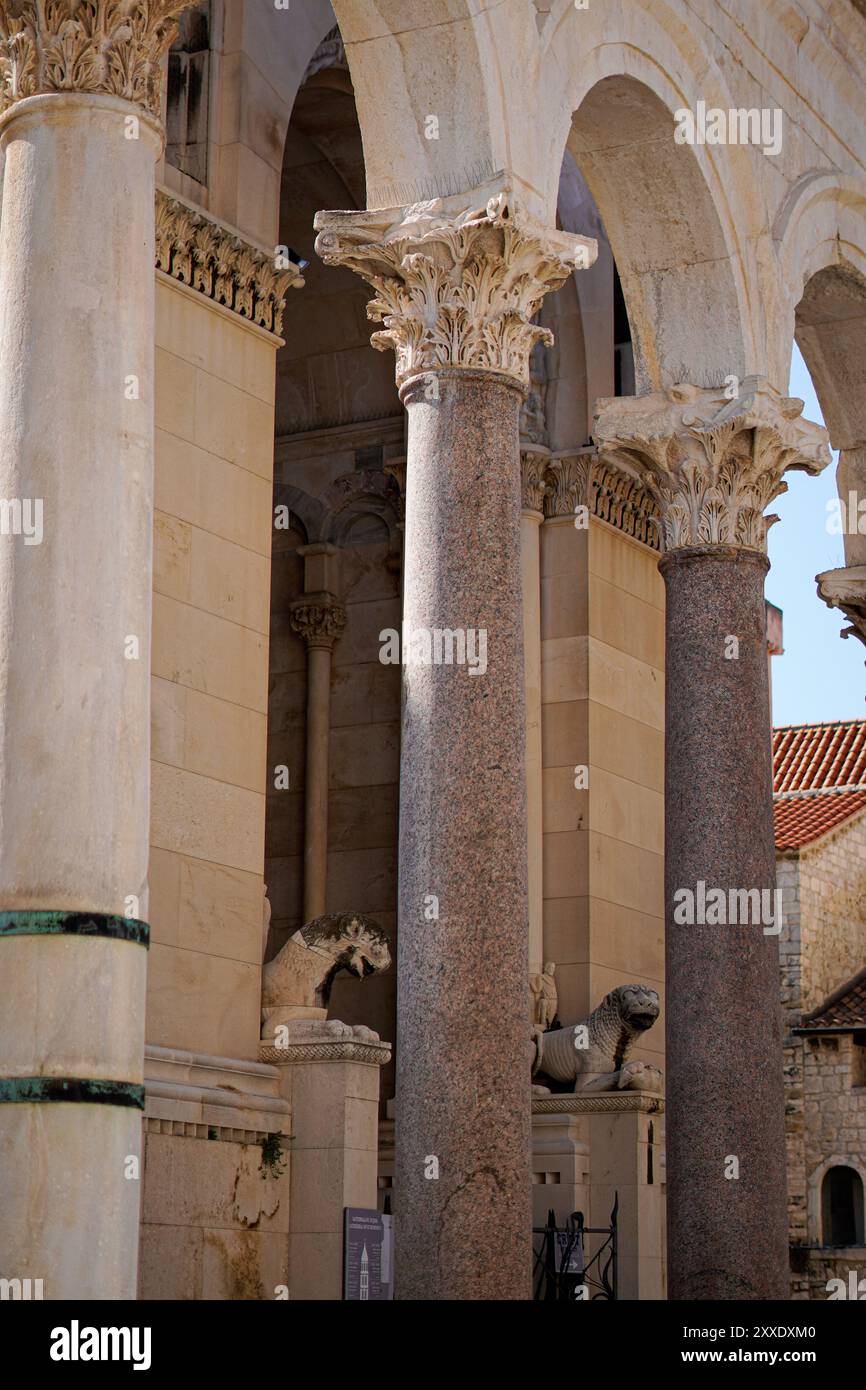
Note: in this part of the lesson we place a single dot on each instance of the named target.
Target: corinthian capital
(455, 289)
(846, 589)
(711, 464)
(109, 46)
(318, 618)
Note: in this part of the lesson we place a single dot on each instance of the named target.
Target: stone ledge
(603, 1102)
(371, 1053)
(190, 1094)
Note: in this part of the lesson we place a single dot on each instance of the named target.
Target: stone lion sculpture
(297, 983)
(592, 1055)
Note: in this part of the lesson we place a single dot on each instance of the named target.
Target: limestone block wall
(212, 544)
(603, 708)
(832, 884)
(833, 1132)
(822, 944)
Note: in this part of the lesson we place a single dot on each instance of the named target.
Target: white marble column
(79, 137)
(457, 284)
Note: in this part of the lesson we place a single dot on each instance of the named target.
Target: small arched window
(842, 1206)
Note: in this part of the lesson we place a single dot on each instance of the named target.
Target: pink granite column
(727, 1236)
(713, 465)
(457, 292)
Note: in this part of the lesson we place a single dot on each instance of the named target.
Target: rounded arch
(439, 63)
(842, 1206)
(682, 281)
(815, 1194)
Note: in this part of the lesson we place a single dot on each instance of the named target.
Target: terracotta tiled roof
(819, 779)
(845, 1008)
(815, 757)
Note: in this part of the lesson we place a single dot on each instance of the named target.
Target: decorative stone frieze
(319, 619)
(455, 290)
(113, 47)
(711, 464)
(619, 498)
(212, 259)
(846, 589)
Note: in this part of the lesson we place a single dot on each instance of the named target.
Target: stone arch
(410, 63)
(681, 275)
(820, 236)
(816, 1186)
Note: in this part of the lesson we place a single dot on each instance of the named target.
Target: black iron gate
(565, 1269)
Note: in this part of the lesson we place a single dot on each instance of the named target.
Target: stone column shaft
(713, 464)
(78, 141)
(533, 467)
(319, 618)
(457, 293)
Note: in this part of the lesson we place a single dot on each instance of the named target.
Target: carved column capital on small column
(534, 481)
(455, 289)
(319, 619)
(712, 464)
(846, 589)
(570, 478)
(110, 47)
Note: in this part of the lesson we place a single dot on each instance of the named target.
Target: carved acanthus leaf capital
(846, 589)
(318, 618)
(534, 482)
(712, 464)
(570, 478)
(110, 46)
(455, 290)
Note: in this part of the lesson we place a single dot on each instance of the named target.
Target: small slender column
(533, 471)
(319, 618)
(457, 289)
(713, 465)
(79, 137)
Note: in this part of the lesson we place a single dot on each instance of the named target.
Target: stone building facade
(820, 813)
(223, 806)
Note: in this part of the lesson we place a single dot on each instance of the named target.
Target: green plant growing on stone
(273, 1158)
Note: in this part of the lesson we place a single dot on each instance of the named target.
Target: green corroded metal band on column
(40, 1089)
(94, 924)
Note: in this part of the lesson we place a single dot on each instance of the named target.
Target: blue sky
(820, 677)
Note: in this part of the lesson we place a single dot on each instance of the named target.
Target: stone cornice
(598, 1103)
(375, 1054)
(846, 589)
(114, 47)
(318, 618)
(711, 464)
(582, 478)
(455, 289)
(214, 260)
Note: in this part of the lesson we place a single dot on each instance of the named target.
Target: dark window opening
(842, 1204)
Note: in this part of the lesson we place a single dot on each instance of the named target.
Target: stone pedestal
(593, 1149)
(76, 418)
(457, 287)
(713, 464)
(333, 1088)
